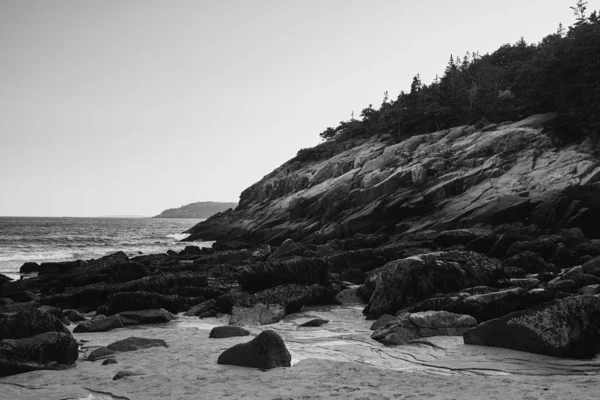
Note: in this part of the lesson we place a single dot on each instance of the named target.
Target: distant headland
(203, 209)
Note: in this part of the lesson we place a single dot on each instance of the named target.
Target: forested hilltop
(203, 209)
(560, 74)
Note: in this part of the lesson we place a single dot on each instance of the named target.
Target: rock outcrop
(50, 350)
(404, 282)
(440, 180)
(567, 327)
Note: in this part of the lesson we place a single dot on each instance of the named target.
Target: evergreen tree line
(560, 74)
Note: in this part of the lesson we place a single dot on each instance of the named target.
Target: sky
(129, 107)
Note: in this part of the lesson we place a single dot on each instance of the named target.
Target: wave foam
(178, 236)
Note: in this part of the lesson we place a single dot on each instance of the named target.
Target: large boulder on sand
(29, 323)
(408, 326)
(130, 344)
(567, 327)
(50, 350)
(265, 351)
(404, 282)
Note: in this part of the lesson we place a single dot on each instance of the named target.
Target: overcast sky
(130, 107)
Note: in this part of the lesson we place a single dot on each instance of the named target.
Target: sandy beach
(337, 360)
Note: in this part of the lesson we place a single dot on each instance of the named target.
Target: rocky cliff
(457, 178)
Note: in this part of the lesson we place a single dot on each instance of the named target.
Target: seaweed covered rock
(567, 327)
(50, 350)
(402, 283)
(265, 351)
(29, 323)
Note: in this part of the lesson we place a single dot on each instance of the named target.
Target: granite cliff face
(458, 178)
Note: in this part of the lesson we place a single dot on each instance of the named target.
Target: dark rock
(382, 321)
(151, 316)
(456, 237)
(479, 290)
(23, 296)
(73, 315)
(109, 361)
(408, 327)
(262, 252)
(54, 311)
(131, 301)
(136, 343)
(100, 353)
(546, 247)
(226, 301)
(207, 314)
(592, 267)
(102, 325)
(482, 244)
(58, 268)
(226, 331)
(407, 281)
(564, 258)
(223, 245)
(354, 275)
(572, 237)
(256, 314)
(350, 296)
(286, 249)
(18, 307)
(514, 273)
(125, 374)
(590, 290)
(201, 308)
(525, 283)
(314, 323)
(529, 261)
(5, 302)
(570, 283)
(29, 323)
(29, 267)
(591, 248)
(265, 351)
(191, 251)
(561, 328)
(297, 270)
(503, 243)
(50, 350)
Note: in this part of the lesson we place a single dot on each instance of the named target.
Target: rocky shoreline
(485, 252)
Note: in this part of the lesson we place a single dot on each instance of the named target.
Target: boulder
(405, 282)
(349, 296)
(50, 350)
(29, 267)
(23, 296)
(226, 301)
(529, 261)
(73, 315)
(314, 323)
(201, 308)
(101, 325)
(58, 268)
(265, 351)
(257, 314)
(151, 316)
(136, 343)
(100, 353)
(220, 332)
(29, 323)
(567, 327)
(382, 321)
(408, 326)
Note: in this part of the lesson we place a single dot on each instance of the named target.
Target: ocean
(37, 239)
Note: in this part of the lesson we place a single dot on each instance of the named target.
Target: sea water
(37, 239)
